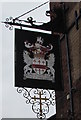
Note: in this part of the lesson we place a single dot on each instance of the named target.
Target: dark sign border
(22, 35)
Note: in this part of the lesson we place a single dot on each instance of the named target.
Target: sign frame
(25, 37)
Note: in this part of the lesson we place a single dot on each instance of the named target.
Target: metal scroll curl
(10, 19)
(36, 109)
(40, 99)
(25, 94)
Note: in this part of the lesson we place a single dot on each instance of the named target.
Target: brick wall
(74, 40)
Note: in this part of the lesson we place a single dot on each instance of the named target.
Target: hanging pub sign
(37, 60)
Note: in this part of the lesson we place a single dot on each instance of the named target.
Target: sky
(13, 104)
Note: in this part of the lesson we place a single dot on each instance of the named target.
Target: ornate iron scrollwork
(40, 99)
(10, 19)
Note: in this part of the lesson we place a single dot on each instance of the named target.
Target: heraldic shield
(37, 60)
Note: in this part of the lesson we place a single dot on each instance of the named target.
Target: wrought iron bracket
(7, 25)
(40, 99)
(10, 22)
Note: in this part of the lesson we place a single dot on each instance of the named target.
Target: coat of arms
(41, 64)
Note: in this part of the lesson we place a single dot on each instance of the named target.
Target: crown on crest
(40, 40)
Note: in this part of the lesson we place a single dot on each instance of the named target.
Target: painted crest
(38, 67)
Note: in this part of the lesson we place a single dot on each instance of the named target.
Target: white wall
(13, 104)
(0, 64)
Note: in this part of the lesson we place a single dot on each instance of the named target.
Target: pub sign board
(37, 60)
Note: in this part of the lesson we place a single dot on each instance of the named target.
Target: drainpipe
(69, 69)
(69, 77)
